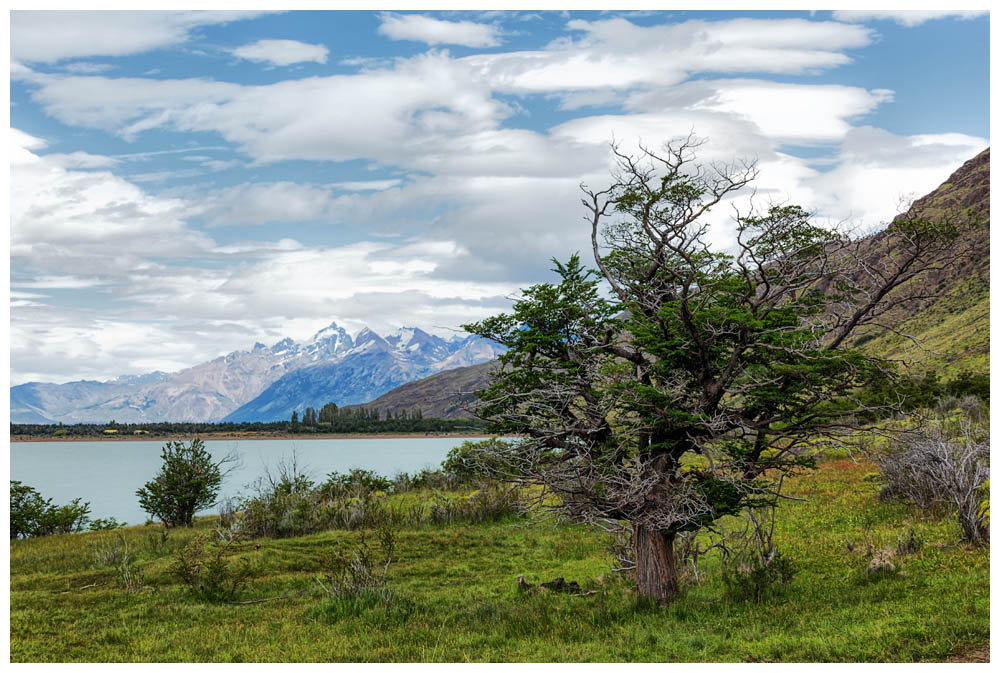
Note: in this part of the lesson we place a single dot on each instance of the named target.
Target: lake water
(107, 474)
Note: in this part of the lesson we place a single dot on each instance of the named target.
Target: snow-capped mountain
(244, 385)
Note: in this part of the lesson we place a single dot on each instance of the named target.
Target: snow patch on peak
(284, 345)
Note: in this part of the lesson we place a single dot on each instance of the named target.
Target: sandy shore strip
(249, 436)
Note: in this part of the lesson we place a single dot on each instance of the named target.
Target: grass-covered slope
(952, 332)
(455, 598)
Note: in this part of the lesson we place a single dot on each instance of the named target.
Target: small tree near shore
(188, 481)
(707, 374)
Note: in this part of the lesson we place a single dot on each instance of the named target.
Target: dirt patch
(980, 655)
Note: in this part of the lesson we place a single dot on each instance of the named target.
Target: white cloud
(59, 283)
(49, 36)
(82, 160)
(78, 221)
(367, 185)
(282, 52)
(256, 247)
(87, 68)
(876, 172)
(781, 112)
(266, 203)
(494, 202)
(437, 114)
(618, 54)
(420, 28)
(905, 17)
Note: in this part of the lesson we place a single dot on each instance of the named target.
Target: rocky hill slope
(952, 330)
(445, 395)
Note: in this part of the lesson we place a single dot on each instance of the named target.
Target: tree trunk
(655, 571)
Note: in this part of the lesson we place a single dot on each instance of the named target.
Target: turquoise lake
(107, 474)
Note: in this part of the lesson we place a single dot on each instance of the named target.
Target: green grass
(953, 333)
(454, 597)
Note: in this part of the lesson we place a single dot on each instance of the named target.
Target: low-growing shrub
(105, 524)
(355, 483)
(472, 460)
(289, 505)
(755, 577)
(753, 569)
(361, 574)
(32, 515)
(941, 470)
(209, 576)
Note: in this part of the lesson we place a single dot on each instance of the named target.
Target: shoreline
(233, 436)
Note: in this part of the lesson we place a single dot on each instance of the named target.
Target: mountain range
(260, 384)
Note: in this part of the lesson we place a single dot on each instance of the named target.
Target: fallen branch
(273, 598)
(85, 586)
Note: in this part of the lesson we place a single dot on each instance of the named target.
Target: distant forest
(328, 420)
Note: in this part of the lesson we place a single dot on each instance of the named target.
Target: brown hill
(443, 395)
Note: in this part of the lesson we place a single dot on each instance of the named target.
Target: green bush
(474, 460)
(355, 483)
(32, 515)
(755, 577)
(188, 481)
(207, 573)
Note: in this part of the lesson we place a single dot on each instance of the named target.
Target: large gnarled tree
(702, 380)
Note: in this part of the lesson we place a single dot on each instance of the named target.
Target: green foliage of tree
(472, 460)
(188, 481)
(32, 515)
(678, 382)
(328, 413)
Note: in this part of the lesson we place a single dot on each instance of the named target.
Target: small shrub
(361, 574)
(909, 543)
(471, 460)
(188, 481)
(157, 543)
(355, 483)
(881, 565)
(753, 569)
(109, 553)
(754, 577)
(105, 524)
(129, 576)
(115, 554)
(206, 572)
(32, 515)
(941, 470)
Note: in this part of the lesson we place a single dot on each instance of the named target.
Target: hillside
(953, 330)
(444, 395)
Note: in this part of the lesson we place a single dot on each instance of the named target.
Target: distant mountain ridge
(342, 369)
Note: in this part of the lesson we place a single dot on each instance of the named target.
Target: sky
(185, 184)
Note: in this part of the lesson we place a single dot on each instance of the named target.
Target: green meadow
(451, 594)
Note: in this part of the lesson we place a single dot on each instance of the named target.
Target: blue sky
(184, 184)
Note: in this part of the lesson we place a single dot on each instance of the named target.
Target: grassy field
(454, 596)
